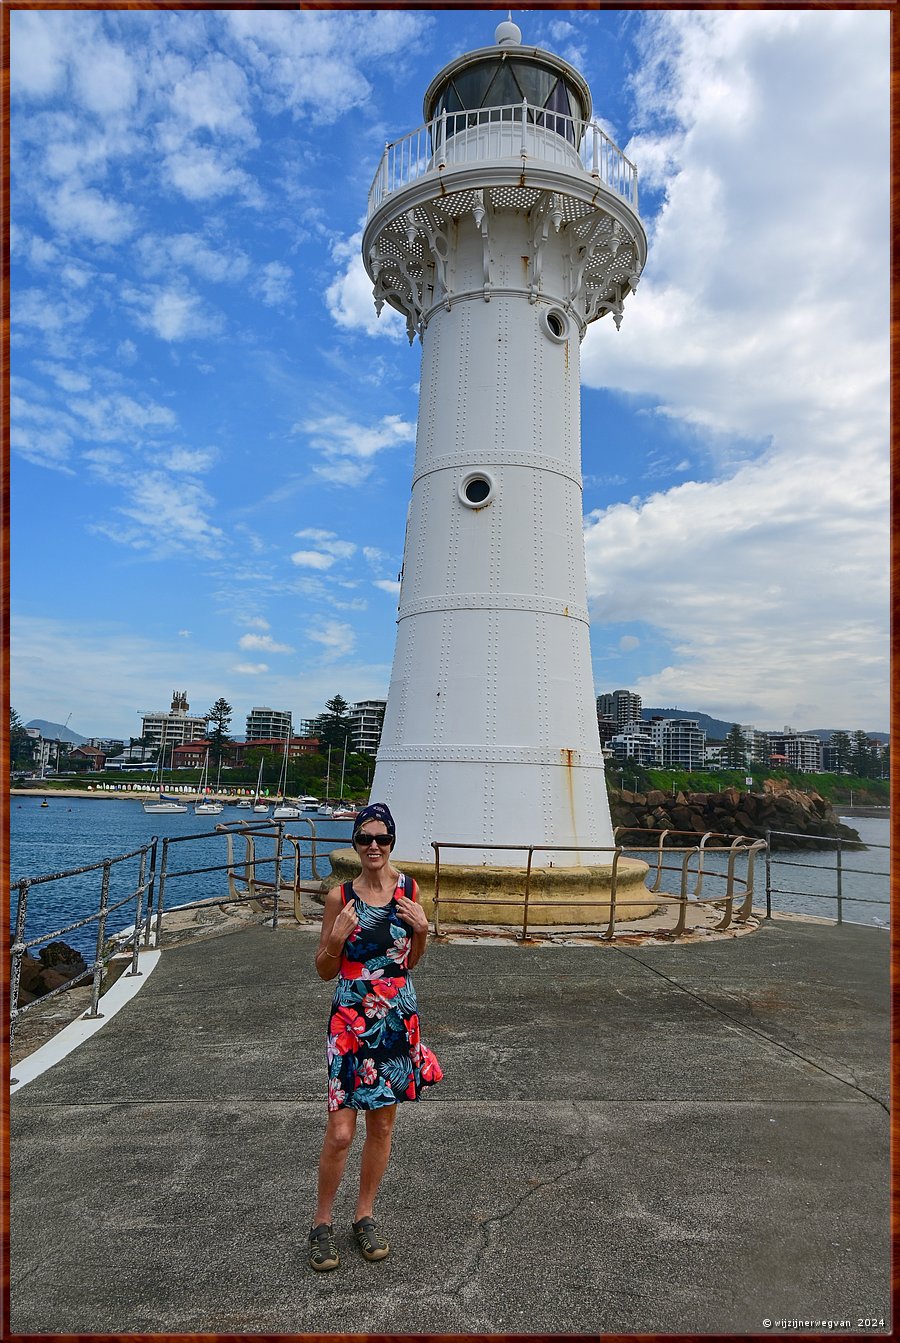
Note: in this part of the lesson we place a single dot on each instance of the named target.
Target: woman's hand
(346, 921)
(412, 913)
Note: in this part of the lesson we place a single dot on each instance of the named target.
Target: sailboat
(258, 804)
(164, 805)
(284, 810)
(206, 806)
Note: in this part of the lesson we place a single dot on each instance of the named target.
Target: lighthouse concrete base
(557, 895)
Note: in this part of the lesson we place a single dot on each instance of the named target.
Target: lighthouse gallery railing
(457, 139)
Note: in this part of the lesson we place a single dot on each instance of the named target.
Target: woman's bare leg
(335, 1147)
(375, 1155)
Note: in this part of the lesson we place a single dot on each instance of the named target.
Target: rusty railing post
(150, 891)
(611, 925)
(138, 913)
(93, 1013)
(437, 882)
(527, 892)
(17, 951)
(162, 886)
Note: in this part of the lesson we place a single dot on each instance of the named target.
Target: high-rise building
(264, 723)
(164, 730)
(366, 719)
(624, 706)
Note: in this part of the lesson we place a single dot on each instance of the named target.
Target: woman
(373, 932)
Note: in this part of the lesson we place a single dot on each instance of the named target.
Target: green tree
(21, 747)
(736, 748)
(842, 752)
(332, 728)
(864, 762)
(220, 718)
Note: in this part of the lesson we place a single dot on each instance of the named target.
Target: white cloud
(214, 98)
(312, 559)
(38, 55)
(118, 416)
(160, 253)
(250, 668)
(310, 62)
(173, 314)
(751, 331)
(256, 622)
(628, 643)
(389, 585)
(263, 643)
(349, 296)
(164, 516)
(348, 447)
(202, 173)
(273, 285)
(191, 460)
(336, 638)
(84, 212)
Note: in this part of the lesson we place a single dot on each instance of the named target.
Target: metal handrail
(839, 870)
(740, 845)
(513, 131)
(153, 876)
(103, 953)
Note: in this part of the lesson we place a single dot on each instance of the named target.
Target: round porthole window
(476, 490)
(555, 324)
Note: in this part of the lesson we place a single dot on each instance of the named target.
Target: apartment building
(680, 742)
(264, 723)
(634, 746)
(796, 751)
(175, 727)
(366, 719)
(623, 706)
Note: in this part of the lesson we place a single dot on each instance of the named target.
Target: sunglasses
(365, 839)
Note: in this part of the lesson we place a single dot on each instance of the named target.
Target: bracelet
(335, 955)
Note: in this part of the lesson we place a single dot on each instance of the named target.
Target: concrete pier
(628, 1139)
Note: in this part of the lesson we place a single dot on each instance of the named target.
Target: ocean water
(73, 832)
(806, 882)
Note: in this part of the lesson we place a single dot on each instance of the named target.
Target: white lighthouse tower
(500, 229)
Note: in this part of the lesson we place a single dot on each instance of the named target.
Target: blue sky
(212, 433)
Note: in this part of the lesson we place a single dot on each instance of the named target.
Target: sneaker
(323, 1252)
(371, 1243)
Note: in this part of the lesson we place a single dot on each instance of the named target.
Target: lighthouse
(499, 229)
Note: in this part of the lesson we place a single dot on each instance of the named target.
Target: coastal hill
(56, 731)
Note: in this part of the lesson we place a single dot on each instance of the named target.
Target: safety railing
(21, 944)
(513, 131)
(840, 870)
(151, 895)
(738, 886)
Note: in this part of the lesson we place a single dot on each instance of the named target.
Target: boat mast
(343, 767)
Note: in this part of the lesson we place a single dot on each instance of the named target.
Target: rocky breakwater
(54, 965)
(808, 819)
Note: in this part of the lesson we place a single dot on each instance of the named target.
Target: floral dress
(375, 1056)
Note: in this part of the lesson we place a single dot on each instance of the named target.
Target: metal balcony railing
(515, 131)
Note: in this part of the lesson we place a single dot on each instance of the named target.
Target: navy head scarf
(375, 811)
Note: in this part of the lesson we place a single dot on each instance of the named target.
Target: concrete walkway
(685, 1139)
